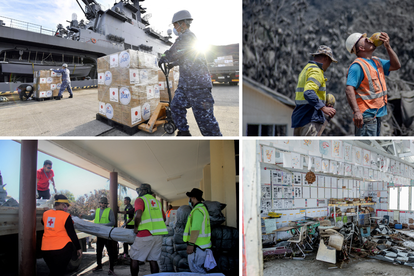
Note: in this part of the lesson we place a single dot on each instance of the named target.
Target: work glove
(161, 61)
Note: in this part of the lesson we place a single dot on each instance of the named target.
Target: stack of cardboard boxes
(128, 89)
(46, 84)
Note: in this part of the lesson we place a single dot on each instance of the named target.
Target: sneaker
(71, 96)
(183, 133)
(111, 272)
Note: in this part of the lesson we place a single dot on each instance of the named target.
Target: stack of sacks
(214, 210)
(128, 87)
(225, 248)
(173, 78)
(166, 261)
(46, 84)
(180, 261)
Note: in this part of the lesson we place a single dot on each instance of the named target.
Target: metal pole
(113, 192)
(27, 208)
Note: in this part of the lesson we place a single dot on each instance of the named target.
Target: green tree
(68, 194)
(87, 202)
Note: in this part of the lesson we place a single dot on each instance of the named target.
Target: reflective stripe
(303, 102)
(145, 221)
(205, 235)
(371, 96)
(205, 246)
(159, 230)
(315, 81)
(299, 89)
(371, 85)
(322, 89)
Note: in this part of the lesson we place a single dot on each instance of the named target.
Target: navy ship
(27, 47)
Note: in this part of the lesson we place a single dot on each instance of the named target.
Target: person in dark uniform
(65, 81)
(194, 85)
(25, 91)
(59, 237)
(128, 220)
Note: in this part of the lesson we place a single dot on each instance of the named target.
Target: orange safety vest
(372, 92)
(168, 213)
(55, 236)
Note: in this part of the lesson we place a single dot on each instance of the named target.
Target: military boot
(183, 133)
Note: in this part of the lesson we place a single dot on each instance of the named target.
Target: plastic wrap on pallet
(117, 234)
(225, 238)
(214, 210)
(165, 262)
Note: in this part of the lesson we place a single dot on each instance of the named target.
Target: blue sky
(215, 22)
(67, 176)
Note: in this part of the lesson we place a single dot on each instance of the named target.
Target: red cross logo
(153, 203)
(51, 222)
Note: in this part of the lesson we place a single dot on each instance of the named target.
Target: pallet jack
(162, 113)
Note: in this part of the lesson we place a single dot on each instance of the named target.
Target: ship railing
(22, 25)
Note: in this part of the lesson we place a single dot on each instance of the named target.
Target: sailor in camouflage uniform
(65, 81)
(194, 86)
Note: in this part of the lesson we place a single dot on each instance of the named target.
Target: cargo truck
(225, 70)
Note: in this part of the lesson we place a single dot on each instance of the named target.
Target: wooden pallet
(127, 129)
(42, 99)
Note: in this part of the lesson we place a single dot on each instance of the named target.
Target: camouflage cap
(103, 200)
(325, 50)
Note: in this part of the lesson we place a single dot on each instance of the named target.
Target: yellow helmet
(330, 100)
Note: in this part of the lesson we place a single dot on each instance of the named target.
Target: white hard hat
(352, 40)
(28, 88)
(64, 65)
(181, 15)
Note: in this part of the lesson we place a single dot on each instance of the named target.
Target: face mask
(189, 203)
(175, 32)
(65, 208)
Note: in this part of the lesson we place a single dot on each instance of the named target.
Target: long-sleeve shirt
(65, 74)
(194, 72)
(111, 217)
(306, 113)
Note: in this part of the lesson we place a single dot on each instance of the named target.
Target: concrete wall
(180, 202)
(262, 109)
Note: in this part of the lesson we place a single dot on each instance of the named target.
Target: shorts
(310, 129)
(146, 248)
(43, 194)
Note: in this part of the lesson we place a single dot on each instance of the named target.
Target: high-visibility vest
(152, 219)
(55, 236)
(204, 238)
(372, 92)
(105, 216)
(168, 213)
(311, 78)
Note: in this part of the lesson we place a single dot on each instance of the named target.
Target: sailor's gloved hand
(161, 61)
(171, 65)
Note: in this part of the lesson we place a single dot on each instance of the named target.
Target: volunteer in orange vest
(366, 89)
(59, 237)
(169, 214)
(44, 178)
(104, 216)
(149, 227)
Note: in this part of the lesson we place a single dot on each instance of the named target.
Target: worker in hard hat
(25, 91)
(149, 227)
(65, 81)
(104, 216)
(308, 115)
(59, 237)
(194, 85)
(366, 89)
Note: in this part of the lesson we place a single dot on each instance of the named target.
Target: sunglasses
(49, 167)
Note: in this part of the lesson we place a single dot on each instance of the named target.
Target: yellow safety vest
(105, 216)
(204, 238)
(311, 78)
(132, 221)
(152, 219)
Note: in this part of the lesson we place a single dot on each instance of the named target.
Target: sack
(210, 262)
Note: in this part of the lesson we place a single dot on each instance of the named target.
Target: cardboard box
(128, 87)
(46, 84)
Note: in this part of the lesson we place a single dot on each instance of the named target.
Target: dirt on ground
(355, 267)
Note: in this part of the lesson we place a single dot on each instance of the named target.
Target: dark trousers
(44, 194)
(126, 245)
(58, 260)
(110, 246)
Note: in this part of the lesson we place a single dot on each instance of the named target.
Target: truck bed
(9, 220)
